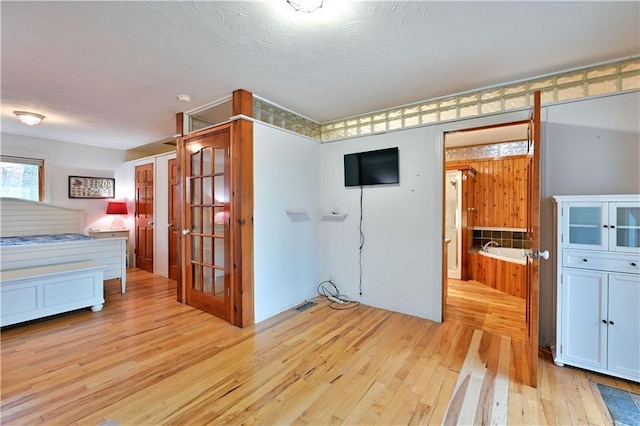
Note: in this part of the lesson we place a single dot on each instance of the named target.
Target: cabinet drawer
(603, 261)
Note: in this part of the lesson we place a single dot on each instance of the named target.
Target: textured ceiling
(107, 73)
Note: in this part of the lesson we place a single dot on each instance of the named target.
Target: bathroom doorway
(485, 202)
(491, 204)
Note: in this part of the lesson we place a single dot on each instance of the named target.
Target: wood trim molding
(180, 158)
(242, 215)
(180, 124)
(242, 103)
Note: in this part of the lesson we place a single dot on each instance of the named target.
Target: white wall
(64, 159)
(401, 225)
(286, 248)
(591, 147)
(402, 257)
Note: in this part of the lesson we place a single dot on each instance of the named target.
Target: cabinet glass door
(584, 226)
(625, 235)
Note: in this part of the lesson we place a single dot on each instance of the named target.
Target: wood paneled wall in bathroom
(500, 195)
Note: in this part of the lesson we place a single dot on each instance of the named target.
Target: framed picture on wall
(91, 187)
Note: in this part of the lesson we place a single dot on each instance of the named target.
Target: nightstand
(109, 233)
(112, 233)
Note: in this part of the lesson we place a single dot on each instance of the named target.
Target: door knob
(150, 223)
(186, 231)
(536, 254)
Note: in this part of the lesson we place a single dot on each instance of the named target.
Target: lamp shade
(116, 207)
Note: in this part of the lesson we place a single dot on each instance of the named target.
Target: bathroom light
(307, 6)
(29, 118)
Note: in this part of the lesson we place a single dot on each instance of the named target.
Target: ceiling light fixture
(29, 118)
(184, 98)
(306, 6)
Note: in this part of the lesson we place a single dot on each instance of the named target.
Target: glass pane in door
(628, 216)
(628, 227)
(207, 154)
(219, 283)
(584, 216)
(584, 225)
(208, 280)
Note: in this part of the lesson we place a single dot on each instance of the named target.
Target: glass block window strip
(591, 81)
(272, 114)
(496, 150)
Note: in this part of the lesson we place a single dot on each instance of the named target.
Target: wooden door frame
(241, 206)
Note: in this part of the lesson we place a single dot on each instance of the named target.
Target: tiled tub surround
(504, 237)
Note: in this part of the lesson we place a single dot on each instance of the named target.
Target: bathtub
(513, 255)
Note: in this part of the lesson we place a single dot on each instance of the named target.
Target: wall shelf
(298, 215)
(334, 217)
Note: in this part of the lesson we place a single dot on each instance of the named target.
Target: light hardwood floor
(484, 308)
(146, 359)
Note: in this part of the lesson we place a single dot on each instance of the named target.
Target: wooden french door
(174, 206)
(206, 233)
(533, 230)
(144, 217)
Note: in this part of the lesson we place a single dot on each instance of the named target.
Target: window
(22, 177)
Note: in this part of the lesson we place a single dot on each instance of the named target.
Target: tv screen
(371, 168)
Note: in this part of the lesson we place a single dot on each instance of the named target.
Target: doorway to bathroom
(485, 220)
(490, 203)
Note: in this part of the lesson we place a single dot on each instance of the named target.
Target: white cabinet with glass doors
(602, 225)
(597, 276)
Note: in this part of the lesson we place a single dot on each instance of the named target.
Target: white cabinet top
(612, 197)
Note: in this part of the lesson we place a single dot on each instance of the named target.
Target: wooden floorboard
(482, 307)
(147, 360)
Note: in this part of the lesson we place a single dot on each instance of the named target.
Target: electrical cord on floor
(337, 301)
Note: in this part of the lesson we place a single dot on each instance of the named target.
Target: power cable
(330, 291)
(361, 242)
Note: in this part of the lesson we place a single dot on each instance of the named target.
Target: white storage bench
(41, 291)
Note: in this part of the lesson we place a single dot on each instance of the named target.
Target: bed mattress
(41, 239)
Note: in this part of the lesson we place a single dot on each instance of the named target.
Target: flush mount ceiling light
(307, 6)
(29, 118)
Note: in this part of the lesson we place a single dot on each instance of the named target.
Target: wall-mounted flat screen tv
(371, 168)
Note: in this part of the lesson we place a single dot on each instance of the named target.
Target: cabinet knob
(604, 321)
(611, 322)
(633, 263)
(605, 226)
(585, 260)
(612, 226)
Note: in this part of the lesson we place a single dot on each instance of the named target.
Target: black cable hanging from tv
(361, 241)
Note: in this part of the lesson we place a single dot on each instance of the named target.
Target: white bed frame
(23, 217)
(41, 291)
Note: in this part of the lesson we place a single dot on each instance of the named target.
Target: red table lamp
(117, 208)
